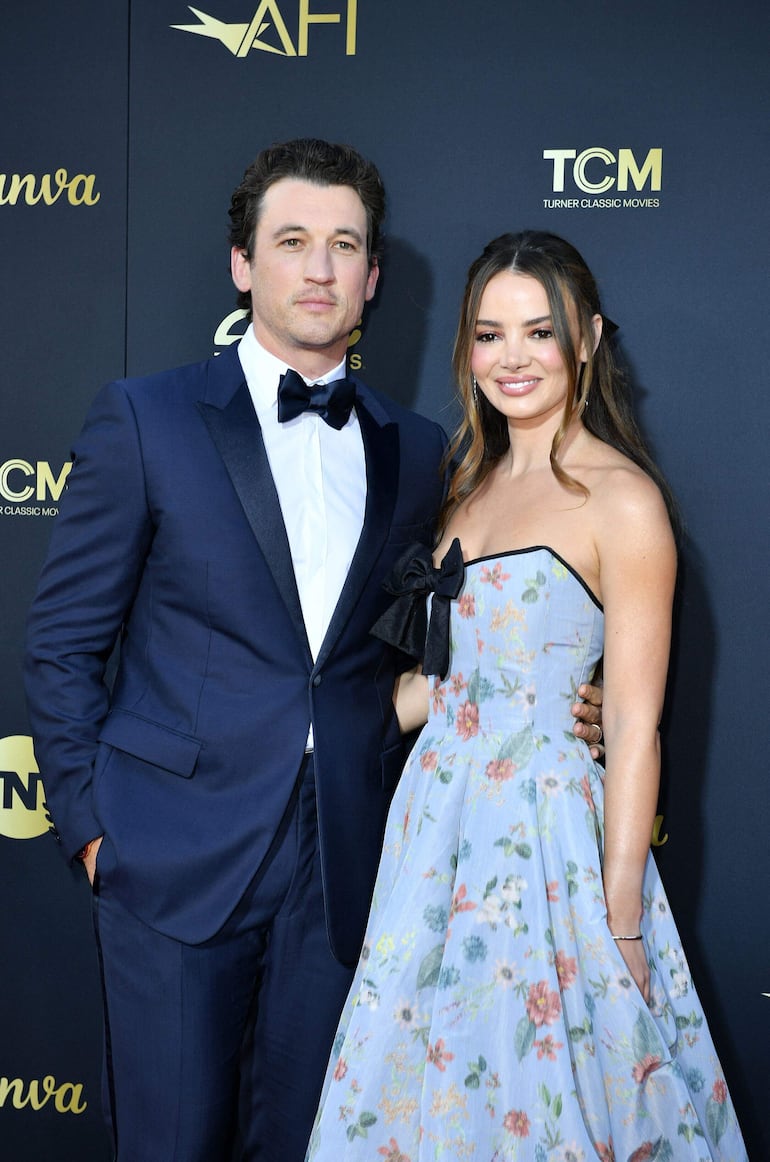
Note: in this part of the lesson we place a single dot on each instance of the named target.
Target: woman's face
(516, 358)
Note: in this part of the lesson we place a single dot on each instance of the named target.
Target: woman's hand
(635, 956)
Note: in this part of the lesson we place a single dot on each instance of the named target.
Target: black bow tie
(332, 401)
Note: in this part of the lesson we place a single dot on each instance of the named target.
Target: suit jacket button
(317, 680)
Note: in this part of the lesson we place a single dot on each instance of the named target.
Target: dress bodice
(525, 632)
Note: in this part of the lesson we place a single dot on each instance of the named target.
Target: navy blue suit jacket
(170, 539)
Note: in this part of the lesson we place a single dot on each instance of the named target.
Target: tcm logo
(596, 170)
(268, 22)
(233, 327)
(22, 482)
(23, 813)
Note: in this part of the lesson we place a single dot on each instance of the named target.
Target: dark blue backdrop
(457, 104)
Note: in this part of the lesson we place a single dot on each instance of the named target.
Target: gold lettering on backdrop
(355, 361)
(6, 491)
(48, 188)
(626, 167)
(67, 1097)
(306, 19)
(579, 170)
(656, 830)
(258, 26)
(46, 484)
(240, 38)
(651, 167)
(231, 330)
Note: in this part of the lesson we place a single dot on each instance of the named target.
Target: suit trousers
(216, 1052)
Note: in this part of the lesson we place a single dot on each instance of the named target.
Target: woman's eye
(542, 333)
(486, 337)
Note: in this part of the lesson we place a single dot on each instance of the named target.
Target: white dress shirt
(320, 477)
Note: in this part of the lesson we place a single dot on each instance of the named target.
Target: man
(228, 797)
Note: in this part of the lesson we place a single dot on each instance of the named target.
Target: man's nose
(319, 266)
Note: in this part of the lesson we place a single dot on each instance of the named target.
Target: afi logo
(240, 39)
(597, 169)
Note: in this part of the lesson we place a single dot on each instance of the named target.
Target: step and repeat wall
(636, 131)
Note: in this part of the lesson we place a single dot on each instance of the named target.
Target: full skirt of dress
(492, 1017)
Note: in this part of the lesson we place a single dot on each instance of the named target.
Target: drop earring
(475, 390)
(583, 402)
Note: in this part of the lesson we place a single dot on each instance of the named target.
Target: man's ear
(371, 282)
(240, 269)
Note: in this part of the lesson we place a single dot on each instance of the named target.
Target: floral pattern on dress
(492, 1017)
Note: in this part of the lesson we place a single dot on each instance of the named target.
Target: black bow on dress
(405, 623)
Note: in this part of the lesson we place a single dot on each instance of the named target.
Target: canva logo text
(29, 188)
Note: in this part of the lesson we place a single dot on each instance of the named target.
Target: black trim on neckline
(538, 549)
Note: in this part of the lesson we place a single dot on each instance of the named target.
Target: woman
(522, 993)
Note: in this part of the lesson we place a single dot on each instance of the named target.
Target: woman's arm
(637, 571)
(410, 697)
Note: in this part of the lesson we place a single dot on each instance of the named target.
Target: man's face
(309, 276)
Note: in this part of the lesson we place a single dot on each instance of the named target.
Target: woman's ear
(597, 324)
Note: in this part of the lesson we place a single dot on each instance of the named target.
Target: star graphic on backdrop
(239, 39)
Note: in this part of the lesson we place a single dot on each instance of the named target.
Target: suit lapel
(381, 452)
(234, 429)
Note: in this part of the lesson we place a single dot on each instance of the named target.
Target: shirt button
(317, 680)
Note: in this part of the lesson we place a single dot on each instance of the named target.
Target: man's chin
(321, 339)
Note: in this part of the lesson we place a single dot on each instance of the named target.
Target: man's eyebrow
(289, 228)
(296, 228)
(351, 231)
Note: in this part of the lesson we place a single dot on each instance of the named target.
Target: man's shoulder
(188, 381)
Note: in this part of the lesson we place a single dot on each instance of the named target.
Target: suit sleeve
(95, 560)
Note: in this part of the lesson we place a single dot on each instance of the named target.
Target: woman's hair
(482, 436)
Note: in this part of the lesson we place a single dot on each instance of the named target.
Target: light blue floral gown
(492, 1017)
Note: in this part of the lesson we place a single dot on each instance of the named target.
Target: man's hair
(311, 160)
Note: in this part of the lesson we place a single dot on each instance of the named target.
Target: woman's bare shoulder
(617, 485)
